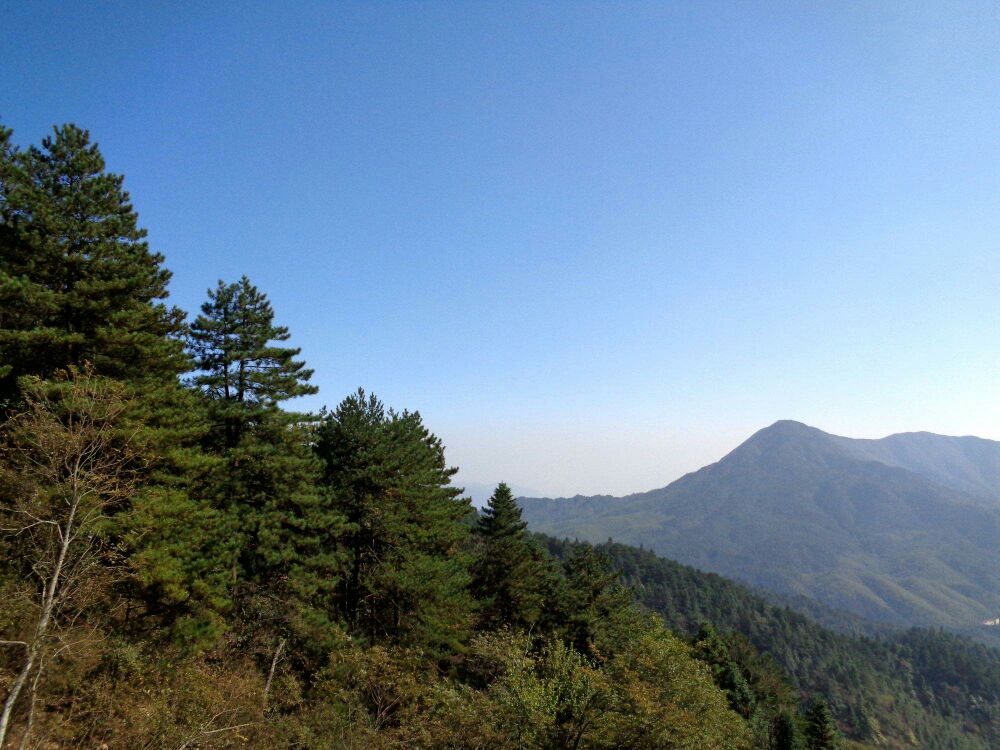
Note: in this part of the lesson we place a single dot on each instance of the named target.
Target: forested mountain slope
(795, 511)
(905, 688)
(968, 464)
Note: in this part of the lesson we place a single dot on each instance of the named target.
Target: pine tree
(785, 734)
(78, 282)
(591, 600)
(267, 483)
(406, 576)
(710, 648)
(821, 730)
(243, 374)
(508, 576)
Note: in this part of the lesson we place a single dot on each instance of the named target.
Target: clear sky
(595, 244)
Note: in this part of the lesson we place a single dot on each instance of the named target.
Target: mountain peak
(789, 424)
(785, 437)
(790, 427)
(884, 528)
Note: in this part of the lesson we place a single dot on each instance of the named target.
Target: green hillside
(793, 511)
(906, 688)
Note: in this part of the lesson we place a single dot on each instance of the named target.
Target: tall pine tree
(285, 561)
(239, 368)
(79, 284)
(78, 281)
(269, 473)
(406, 574)
(509, 575)
(821, 731)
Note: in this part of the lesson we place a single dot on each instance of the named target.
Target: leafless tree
(66, 461)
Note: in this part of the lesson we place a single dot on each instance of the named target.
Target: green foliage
(551, 699)
(650, 694)
(78, 282)
(238, 368)
(714, 652)
(786, 734)
(666, 699)
(914, 688)
(392, 697)
(265, 483)
(406, 573)
(821, 730)
(509, 575)
(593, 603)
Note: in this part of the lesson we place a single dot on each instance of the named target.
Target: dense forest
(928, 688)
(189, 562)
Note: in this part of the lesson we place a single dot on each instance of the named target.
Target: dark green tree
(590, 603)
(508, 572)
(283, 529)
(407, 576)
(239, 367)
(785, 733)
(821, 731)
(713, 650)
(79, 286)
(78, 281)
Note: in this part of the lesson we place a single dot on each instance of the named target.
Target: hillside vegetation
(914, 687)
(801, 512)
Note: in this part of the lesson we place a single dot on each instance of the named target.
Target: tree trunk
(41, 628)
(270, 674)
(32, 696)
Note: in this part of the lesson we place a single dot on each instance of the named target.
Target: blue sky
(595, 244)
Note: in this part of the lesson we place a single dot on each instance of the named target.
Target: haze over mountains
(904, 530)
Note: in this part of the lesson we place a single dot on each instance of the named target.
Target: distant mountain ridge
(905, 529)
(968, 464)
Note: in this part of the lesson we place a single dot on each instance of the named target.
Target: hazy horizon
(481, 486)
(596, 246)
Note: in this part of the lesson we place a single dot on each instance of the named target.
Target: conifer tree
(267, 484)
(785, 734)
(591, 599)
(78, 282)
(245, 376)
(406, 574)
(508, 576)
(79, 286)
(710, 648)
(821, 730)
